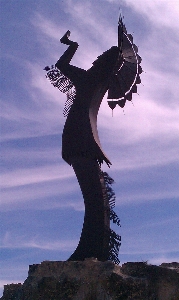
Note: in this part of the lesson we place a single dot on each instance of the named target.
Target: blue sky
(41, 204)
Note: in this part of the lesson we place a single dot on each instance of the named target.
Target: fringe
(64, 84)
(114, 245)
(115, 239)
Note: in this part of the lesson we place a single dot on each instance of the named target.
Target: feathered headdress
(126, 74)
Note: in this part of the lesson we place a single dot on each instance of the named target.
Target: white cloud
(21, 242)
(150, 129)
(154, 120)
(144, 196)
(157, 224)
(93, 22)
(45, 115)
(159, 12)
(163, 259)
(26, 196)
(33, 187)
(145, 138)
(36, 175)
(144, 251)
(139, 244)
(48, 27)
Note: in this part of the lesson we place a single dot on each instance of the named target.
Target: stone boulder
(95, 280)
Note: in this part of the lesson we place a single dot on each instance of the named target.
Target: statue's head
(107, 55)
(106, 62)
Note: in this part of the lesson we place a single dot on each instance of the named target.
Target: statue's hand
(65, 39)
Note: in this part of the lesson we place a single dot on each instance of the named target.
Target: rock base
(95, 280)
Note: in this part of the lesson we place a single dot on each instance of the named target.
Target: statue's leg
(94, 241)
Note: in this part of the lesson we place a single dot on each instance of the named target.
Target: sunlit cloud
(160, 13)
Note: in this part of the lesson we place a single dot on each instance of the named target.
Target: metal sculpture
(117, 71)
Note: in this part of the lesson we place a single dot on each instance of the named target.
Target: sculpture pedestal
(95, 280)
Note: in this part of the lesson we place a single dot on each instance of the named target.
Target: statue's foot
(65, 39)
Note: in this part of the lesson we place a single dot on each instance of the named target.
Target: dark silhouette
(116, 71)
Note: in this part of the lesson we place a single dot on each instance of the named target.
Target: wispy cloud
(10, 242)
(148, 245)
(154, 118)
(163, 259)
(142, 141)
(142, 197)
(36, 175)
(46, 195)
(160, 13)
(46, 26)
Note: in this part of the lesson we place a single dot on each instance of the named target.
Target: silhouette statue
(117, 71)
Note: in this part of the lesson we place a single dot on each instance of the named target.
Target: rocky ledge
(95, 280)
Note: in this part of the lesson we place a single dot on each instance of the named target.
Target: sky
(42, 207)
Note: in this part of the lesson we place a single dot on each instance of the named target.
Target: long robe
(81, 148)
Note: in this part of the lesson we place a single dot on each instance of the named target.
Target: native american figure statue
(117, 71)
